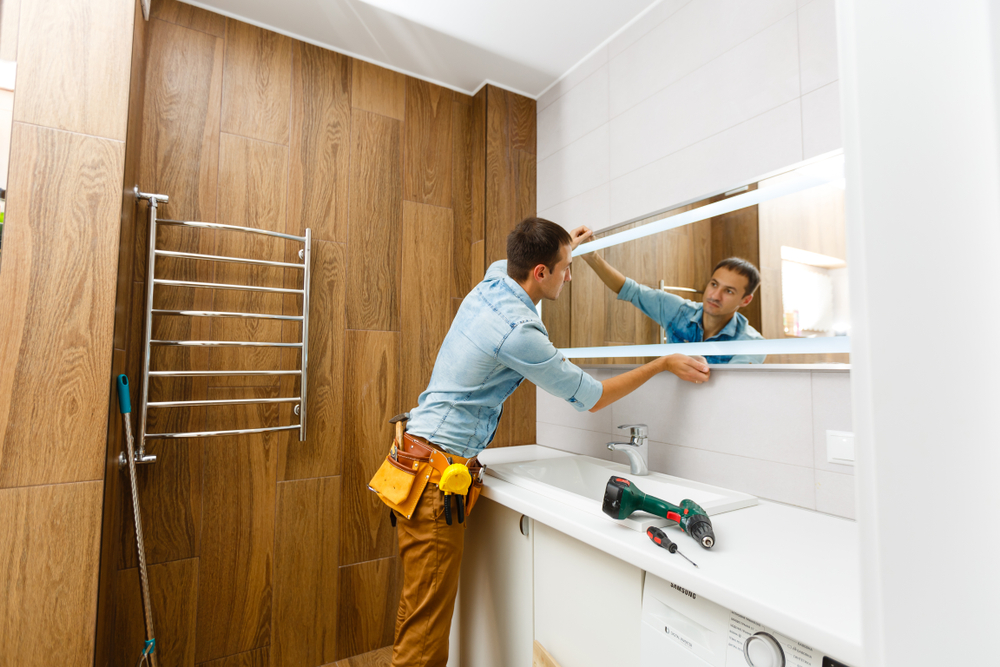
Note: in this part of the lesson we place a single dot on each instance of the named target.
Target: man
(730, 288)
(496, 341)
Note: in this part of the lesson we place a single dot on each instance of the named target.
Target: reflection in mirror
(9, 12)
(695, 282)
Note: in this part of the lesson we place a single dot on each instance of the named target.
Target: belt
(419, 450)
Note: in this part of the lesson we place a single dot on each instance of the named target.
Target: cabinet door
(493, 616)
(588, 604)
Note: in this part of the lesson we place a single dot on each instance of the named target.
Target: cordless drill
(622, 497)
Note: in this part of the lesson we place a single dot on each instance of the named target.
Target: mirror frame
(814, 174)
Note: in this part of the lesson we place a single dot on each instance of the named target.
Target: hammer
(400, 422)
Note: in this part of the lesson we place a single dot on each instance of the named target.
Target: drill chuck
(700, 528)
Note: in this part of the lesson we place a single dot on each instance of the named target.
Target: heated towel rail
(148, 342)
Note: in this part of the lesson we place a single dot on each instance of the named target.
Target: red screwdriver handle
(660, 538)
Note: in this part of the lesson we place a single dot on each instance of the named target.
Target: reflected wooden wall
(265, 550)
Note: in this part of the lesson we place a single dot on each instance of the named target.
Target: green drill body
(622, 498)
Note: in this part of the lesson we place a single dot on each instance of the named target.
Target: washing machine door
(658, 648)
(680, 628)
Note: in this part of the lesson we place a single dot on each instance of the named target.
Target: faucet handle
(636, 430)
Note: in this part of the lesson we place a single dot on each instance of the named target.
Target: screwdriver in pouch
(659, 537)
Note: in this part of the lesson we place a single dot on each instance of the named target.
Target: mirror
(8, 70)
(788, 225)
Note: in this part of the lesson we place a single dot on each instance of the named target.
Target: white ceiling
(521, 45)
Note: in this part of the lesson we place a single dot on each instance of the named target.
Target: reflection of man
(496, 341)
(730, 288)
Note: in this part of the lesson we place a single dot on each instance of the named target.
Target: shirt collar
(732, 328)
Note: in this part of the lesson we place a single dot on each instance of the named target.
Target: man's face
(554, 280)
(725, 293)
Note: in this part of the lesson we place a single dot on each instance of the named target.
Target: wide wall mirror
(788, 226)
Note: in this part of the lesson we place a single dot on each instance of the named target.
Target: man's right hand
(690, 369)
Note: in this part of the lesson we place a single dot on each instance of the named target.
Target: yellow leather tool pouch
(400, 486)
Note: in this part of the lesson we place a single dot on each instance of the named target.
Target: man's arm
(620, 386)
(611, 276)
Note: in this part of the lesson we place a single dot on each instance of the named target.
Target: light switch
(840, 447)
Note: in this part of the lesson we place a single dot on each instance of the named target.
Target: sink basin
(579, 481)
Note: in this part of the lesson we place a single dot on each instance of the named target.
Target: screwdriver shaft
(688, 559)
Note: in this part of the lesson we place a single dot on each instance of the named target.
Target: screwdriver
(660, 538)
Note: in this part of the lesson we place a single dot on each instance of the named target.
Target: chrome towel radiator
(152, 282)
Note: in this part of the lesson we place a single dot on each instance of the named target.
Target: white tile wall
(693, 98)
(821, 120)
(753, 431)
(762, 144)
(818, 44)
(756, 76)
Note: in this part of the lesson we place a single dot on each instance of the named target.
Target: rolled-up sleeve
(528, 350)
(656, 304)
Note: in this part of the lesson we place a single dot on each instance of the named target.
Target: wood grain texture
(427, 169)
(258, 74)
(426, 305)
(73, 61)
(304, 631)
(379, 658)
(517, 425)
(523, 132)
(320, 454)
(10, 12)
(541, 658)
(58, 271)
(369, 598)
(371, 398)
(736, 235)
(173, 596)
(259, 658)
(378, 90)
(189, 16)
(237, 549)
(48, 570)
(252, 191)
(462, 175)
(500, 195)
(318, 187)
(376, 223)
(180, 134)
(478, 262)
(557, 316)
(477, 163)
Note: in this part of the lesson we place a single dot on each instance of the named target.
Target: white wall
(762, 432)
(697, 96)
(922, 124)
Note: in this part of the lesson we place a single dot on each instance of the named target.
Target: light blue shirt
(681, 319)
(496, 341)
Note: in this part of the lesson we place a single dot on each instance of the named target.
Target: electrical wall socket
(840, 447)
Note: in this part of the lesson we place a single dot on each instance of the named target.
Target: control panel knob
(763, 650)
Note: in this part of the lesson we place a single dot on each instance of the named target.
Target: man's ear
(746, 301)
(538, 273)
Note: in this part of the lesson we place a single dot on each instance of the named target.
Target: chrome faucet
(637, 448)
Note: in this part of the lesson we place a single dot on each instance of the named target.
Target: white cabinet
(588, 604)
(494, 613)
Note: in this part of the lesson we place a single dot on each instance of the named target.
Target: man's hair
(745, 269)
(534, 241)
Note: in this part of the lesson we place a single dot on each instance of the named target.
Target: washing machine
(682, 629)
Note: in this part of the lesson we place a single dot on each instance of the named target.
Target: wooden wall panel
(735, 235)
(320, 454)
(237, 549)
(173, 596)
(56, 335)
(500, 183)
(428, 143)
(258, 73)
(462, 175)
(48, 572)
(557, 315)
(477, 164)
(369, 599)
(320, 144)
(376, 222)
(73, 62)
(371, 398)
(259, 658)
(306, 573)
(378, 658)
(188, 16)
(180, 136)
(426, 306)
(378, 90)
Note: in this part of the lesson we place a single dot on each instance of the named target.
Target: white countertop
(792, 569)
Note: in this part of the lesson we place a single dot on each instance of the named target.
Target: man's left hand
(580, 235)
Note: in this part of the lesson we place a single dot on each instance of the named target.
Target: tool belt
(410, 467)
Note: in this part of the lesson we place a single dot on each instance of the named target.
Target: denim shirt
(496, 340)
(682, 321)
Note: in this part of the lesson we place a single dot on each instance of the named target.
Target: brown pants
(431, 552)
